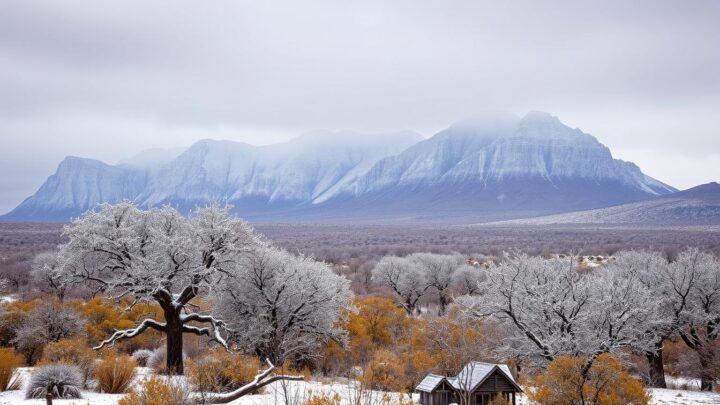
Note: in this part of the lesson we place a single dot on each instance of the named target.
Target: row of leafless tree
(635, 303)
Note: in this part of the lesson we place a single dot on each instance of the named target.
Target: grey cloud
(107, 79)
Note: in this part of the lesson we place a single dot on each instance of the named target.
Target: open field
(21, 240)
(357, 240)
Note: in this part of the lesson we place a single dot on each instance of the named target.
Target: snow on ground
(7, 299)
(683, 383)
(678, 397)
(88, 397)
(297, 392)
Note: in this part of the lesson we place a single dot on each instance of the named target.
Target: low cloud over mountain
(481, 169)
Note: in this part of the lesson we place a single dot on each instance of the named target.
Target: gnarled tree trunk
(707, 360)
(656, 372)
(174, 336)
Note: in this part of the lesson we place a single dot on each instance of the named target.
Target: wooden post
(48, 398)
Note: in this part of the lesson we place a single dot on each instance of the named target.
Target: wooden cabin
(478, 382)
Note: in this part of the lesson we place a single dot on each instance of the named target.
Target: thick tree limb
(131, 333)
(260, 380)
(213, 332)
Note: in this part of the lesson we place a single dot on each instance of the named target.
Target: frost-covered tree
(685, 297)
(280, 305)
(557, 310)
(653, 273)
(622, 313)
(438, 271)
(544, 300)
(49, 322)
(467, 278)
(694, 279)
(404, 278)
(158, 255)
(46, 271)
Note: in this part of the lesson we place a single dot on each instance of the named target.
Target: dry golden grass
(114, 373)
(155, 391)
(221, 371)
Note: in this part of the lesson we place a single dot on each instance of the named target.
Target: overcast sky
(107, 79)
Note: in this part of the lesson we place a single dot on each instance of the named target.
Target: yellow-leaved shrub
(104, 317)
(10, 360)
(378, 322)
(385, 372)
(156, 391)
(12, 316)
(606, 383)
(221, 371)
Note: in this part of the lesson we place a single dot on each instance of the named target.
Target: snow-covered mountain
(78, 185)
(537, 146)
(255, 179)
(480, 169)
(497, 167)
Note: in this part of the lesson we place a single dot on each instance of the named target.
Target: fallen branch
(260, 380)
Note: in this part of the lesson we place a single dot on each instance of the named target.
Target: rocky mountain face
(481, 169)
(491, 168)
(78, 185)
(255, 179)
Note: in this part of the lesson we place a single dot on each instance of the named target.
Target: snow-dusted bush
(70, 351)
(60, 380)
(49, 322)
(158, 360)
(141, 356)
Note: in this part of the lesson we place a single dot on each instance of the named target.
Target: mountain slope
(696, 206)
(499, 167)
(255, 179)
(482, 169)
(269, 177)
(78, 185)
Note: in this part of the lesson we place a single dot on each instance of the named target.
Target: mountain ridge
(490, 167)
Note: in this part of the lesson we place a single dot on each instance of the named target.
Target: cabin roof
(476, 372)
(429, 383)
